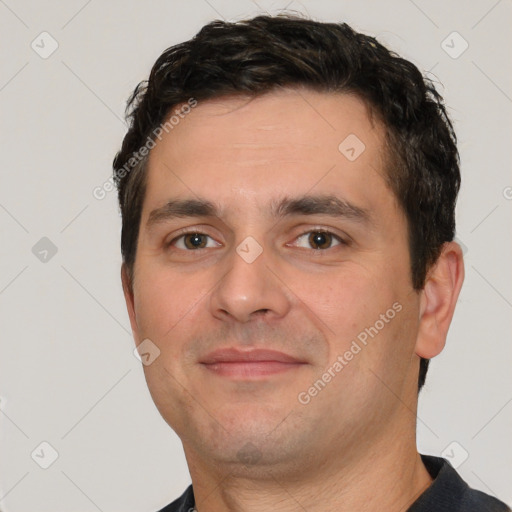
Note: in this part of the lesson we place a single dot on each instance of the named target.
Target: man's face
(301, 279)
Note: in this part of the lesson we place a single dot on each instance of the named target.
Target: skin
(358, 432)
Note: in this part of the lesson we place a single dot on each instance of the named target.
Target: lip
(233, 355)
(234, 363)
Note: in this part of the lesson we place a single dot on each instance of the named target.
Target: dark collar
(447, 493)
(446, 490)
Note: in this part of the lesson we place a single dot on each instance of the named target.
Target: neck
(378, 478)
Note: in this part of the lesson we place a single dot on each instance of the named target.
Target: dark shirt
(447, 493)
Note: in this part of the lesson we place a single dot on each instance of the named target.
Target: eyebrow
(305, 205)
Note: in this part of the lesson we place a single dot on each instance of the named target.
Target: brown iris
(194, 241)
(321, 239)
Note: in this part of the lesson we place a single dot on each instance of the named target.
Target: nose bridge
(248, 286)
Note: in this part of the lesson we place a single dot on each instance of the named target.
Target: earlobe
(438, 300)
(129, 299)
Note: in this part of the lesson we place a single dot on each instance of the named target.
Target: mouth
(250, 364)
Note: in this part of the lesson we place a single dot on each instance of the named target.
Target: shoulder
(185, 503)
(449, 492)
(477, 501)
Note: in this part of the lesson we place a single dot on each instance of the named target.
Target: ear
(438, 299)
(130, 301)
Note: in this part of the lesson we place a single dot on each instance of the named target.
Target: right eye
(192, 241)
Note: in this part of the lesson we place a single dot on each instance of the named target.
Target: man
(288, 189)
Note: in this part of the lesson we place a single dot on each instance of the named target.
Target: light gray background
(67, 372)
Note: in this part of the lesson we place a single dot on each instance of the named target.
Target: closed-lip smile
(254, 363)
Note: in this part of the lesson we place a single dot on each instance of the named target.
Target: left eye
(320, 239)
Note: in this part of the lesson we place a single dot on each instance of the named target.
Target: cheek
(359, 306)
(162, 301)
(346, 299)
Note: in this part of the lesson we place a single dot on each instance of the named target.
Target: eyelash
(342, 242)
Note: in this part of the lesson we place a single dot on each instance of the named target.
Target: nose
(249, 290)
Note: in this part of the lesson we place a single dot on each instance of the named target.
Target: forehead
(288, 119)
(287, 141)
